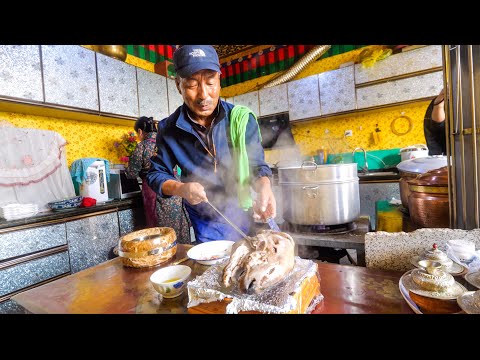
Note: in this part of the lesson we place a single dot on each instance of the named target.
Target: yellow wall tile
(85, 139)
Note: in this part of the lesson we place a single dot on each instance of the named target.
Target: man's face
(201, 92)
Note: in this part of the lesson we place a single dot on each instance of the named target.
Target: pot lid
(423, 164)
(435, 177)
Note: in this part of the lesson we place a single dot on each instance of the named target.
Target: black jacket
(434, 133)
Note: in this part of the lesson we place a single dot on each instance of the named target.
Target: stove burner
(319, 229)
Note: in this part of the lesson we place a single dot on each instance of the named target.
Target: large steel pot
(319, 194)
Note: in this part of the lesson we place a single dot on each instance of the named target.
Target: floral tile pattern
(117, 85)
(249, 100)
(152, 94)
(403, 63)
(20, 72)
(70, 76)
(273, 100)
(391, 92)
(337, 90)
(304, 98)
(174, 98)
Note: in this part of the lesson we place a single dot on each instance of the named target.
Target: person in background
(434, 126)
(158, 212)
(218, 149)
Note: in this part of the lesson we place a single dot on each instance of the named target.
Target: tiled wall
(88, 139)
(329, 132)
(85, 139)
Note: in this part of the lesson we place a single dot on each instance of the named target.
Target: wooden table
(111, 288)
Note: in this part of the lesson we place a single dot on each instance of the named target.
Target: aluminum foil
(209, 287)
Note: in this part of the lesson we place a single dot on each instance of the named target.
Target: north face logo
(197, 53)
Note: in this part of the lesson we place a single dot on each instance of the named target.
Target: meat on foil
(259, 262)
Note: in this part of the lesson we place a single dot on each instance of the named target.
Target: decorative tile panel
(249, 100)
(91, 239)
(152, 94)
(337, 90)
(27, 241)
(304, 98)
(370, 193)
(20, 72)
(391, 92)
(11, 307)
(26, 274)
(393, 251)
(175, 99)
(70, 76)
(131, 220)
(403, 63)
(273, 100)
(117, 84)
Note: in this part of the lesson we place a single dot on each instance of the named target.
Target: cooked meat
(259, 262)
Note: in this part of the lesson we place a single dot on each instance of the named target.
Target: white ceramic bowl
(170, 281)
(211, 252)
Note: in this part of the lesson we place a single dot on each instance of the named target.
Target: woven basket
(147, 247)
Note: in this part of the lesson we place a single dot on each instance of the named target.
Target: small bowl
(211, 252)
(64, 204)
(170, 281)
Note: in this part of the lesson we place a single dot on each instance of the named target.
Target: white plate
(211, 252)
(473, 279)
(408, 299)
(467, 302)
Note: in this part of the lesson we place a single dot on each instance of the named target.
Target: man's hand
(193, 192)
(265, 206)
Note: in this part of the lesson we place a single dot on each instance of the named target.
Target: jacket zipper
(214, 155)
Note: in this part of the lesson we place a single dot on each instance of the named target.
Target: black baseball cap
(189, 59)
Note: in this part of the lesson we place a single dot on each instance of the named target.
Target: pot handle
(309, 162)
(310, 193)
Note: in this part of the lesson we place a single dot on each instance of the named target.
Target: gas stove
(319, 229)
(312, 239)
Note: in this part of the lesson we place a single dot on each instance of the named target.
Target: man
(434, 126)
(196, 137)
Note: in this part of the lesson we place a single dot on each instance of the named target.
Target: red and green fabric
(271, 60)
(264, 62)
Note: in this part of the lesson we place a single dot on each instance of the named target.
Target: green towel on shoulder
(238, 126)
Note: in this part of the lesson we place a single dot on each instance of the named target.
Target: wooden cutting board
(309, 289)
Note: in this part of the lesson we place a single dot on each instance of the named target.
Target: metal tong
(237, 229)
(270, 221)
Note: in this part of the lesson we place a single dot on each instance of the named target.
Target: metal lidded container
(315, 194)
(428, 200)
(410, 169)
